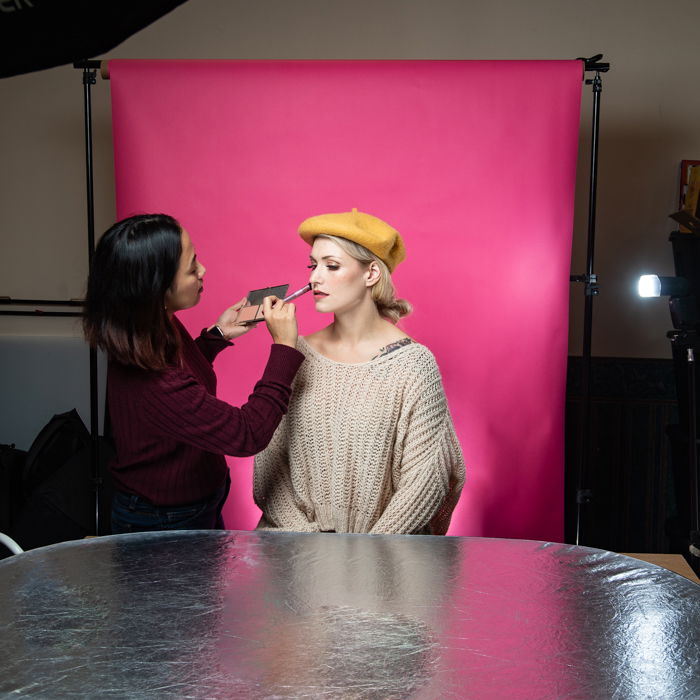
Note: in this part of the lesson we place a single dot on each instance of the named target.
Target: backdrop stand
(584, 494)
(89, 79)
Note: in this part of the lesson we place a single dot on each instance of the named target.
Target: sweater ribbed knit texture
(171, 432)
(367, 447)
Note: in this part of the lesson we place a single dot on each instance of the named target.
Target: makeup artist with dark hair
(170, 431)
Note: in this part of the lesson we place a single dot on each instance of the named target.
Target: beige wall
(650, 121)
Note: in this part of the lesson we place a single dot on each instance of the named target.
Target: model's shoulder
(393, 345)
(419, 352)
(420, 366)
(411, 359)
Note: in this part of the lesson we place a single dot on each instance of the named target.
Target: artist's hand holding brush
(281, 321)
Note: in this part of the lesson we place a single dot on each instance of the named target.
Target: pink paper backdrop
(472, 161)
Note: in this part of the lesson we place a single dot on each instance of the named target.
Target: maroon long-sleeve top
(171, 432)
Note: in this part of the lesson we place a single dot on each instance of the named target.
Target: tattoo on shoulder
(393, 346)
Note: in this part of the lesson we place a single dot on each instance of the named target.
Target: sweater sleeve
(178, 406)
(211, 345)
(273, 492)
(431, 469)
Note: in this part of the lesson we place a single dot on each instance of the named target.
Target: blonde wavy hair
(383, 293)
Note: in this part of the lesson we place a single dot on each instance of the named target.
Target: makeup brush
(298, 293)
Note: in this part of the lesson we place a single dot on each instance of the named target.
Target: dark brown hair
(133, 266)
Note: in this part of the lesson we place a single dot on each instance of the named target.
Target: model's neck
(356, 325)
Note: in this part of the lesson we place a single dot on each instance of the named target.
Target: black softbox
(38, 34)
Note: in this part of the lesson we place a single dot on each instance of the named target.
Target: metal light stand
(694, 538)
(685, 342)
(584, 495)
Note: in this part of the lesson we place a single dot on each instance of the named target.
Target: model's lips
(317, 293)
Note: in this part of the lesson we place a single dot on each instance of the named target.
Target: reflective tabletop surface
(283, 615)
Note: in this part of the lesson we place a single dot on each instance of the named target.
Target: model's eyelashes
(329, 266)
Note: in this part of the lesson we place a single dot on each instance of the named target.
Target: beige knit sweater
(366, 447)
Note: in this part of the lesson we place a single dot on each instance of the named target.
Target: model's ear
(373, 274)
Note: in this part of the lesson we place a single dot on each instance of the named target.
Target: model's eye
(311, 267)
(332, 267)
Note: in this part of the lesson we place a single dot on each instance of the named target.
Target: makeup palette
(252, 312)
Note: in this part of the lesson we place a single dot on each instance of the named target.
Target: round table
(197, 614)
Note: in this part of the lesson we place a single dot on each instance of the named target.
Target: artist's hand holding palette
(252, 312)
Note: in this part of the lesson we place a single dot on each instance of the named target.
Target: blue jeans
(132, 513)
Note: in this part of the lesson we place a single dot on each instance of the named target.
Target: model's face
(339, 282)
(187, 286)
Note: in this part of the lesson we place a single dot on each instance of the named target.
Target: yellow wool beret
(367, 230)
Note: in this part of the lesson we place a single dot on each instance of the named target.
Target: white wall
(649, 123)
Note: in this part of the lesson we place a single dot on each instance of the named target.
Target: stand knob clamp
(591, 282)
(593, 64)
